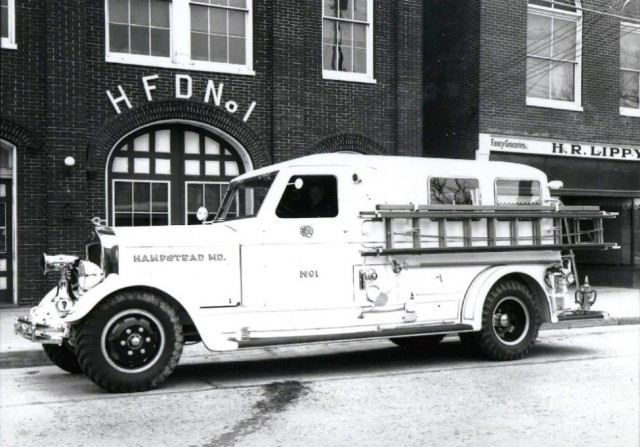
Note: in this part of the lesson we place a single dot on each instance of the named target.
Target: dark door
(6, 270)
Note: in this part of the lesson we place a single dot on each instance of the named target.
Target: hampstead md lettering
(213, 257)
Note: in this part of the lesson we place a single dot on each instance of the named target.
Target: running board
(576, 315)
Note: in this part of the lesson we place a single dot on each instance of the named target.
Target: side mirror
(202, 214)
(297, 183)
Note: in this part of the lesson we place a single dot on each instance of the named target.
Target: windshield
(244, 199)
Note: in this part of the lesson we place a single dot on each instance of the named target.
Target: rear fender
(482, 284)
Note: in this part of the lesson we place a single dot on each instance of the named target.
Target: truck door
(304, 258)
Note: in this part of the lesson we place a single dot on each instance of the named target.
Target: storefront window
(156, 32)
(7, 24)
(161, 176)
(347, 40)
(554, 54)
(630, 69)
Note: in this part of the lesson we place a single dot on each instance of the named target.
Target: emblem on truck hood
(306, 231)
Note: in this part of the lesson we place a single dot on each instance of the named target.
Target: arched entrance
(7, 224)
(161, 174)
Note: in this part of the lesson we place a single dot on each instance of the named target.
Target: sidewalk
(622, 305)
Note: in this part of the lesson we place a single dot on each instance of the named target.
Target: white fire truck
(325, 247)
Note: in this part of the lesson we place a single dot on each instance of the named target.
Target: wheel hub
(510, 320)
(133, 341)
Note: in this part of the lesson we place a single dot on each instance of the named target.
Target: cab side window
(309, 196)
(517, 192)
(454, 191)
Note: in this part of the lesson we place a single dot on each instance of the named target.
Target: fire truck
(321, 248)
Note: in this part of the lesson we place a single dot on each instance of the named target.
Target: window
(309, 196)
(162, 175)
(154, 33)
(454, 191)
(630, 69)
(347, 40)
(244, 199)
(554, 54)
(517, 192)
(8, 24)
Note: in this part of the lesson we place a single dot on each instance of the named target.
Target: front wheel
(510, 322)
(130, 342)
(64, 357)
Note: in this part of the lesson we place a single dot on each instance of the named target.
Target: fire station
(141, 111)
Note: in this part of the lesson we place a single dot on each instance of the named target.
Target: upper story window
(554, 54)
(347, 40)
(630, 59)
(8, 24)
(207, 35)
(454, 191)
(630, 69)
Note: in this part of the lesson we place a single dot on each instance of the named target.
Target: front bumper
(39, 332)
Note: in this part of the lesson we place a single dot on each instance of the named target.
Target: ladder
(421, 229)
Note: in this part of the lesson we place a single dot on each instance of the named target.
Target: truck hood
(175, 236)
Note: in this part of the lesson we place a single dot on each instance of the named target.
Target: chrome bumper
(40, 333)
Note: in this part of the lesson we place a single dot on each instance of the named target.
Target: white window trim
(367, 77)
(10, 43)
(634, 28)
(576, 104)
(180, 49)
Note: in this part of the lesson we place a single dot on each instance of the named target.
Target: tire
(421, 343)
(64, 357)
(130, 342)
(510, 323)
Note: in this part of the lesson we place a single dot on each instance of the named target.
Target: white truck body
(374, 265)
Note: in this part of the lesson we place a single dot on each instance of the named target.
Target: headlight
(89, 275)
(58, 263)
(570, 278)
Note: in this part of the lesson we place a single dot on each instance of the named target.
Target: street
(577, 387)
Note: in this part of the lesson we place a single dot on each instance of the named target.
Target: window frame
(212, 213)
(133, 181)
(180, 44)
(577, 17)
(368, 76)
(9, 42)
(630, 28)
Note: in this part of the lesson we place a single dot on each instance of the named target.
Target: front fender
(482, 284)
(112, 284)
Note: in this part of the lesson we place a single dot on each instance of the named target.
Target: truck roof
(442, 167)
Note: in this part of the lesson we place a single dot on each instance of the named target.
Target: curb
(36, 357)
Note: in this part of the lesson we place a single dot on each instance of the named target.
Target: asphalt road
(578, 387)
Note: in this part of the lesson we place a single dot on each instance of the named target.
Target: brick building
(139, 111)
(553, 84)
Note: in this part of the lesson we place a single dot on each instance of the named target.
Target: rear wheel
(510, 323)
(421, 343)
(130, 342)
(64, 357)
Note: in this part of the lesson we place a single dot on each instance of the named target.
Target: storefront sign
(183, 89)
(497, 143)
